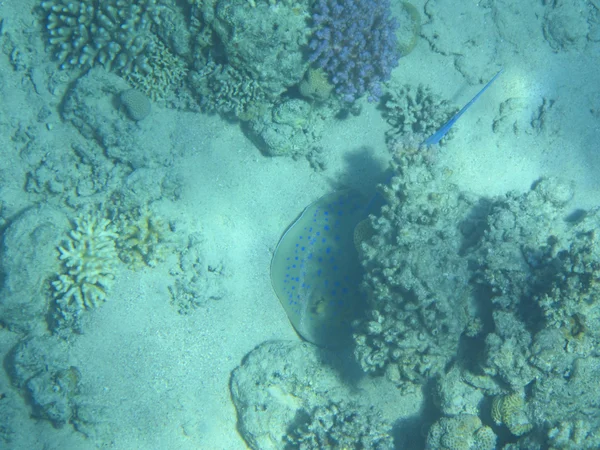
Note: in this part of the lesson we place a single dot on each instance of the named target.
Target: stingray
(315, 270)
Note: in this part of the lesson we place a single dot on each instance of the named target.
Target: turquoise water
(149, 240)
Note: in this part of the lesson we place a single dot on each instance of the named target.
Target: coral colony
(355, 43)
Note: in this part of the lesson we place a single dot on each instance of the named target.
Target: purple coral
(355, 42)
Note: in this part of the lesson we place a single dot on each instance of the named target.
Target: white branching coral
(89, 259)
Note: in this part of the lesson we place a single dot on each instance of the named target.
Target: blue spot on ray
(319, 291)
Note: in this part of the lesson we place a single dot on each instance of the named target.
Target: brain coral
(136, 104)
(510, 410)
(462, 432)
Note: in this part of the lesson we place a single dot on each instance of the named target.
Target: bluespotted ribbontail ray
(315, 270)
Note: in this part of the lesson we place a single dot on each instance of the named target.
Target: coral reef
(415, 112)
(510, 410)
(509, 308)
(355, 43)
(289, 128)
(540, 272)
(135, 103)
(126, 38)
(260, 54)
(245, 59)
(95, 248)
(166, 72)
(572, 304)
(340, 425)
(268, 42)
(196, 281)
(42, 369)
(507, 351)
(229, 91)
(556, 399)
(416, 283)
(89, 260)
(27, 258)
(112, 33)
(455, 396)
(290, 393)
(275, 381)
(513, 254)
(463, 432)
(574, 435)
(143, 237)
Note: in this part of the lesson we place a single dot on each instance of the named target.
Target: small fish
(439, 134)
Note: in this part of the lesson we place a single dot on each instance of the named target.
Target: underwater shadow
(361, 172)
(410, 433)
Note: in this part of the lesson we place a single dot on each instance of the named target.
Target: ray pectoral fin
(315, 270)
(327, 322)
(314, 321)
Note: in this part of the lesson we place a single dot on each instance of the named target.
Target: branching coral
(142, 238)
(229, 91)
(414, 111)
(340, 425)
(355, 42)
(89, 258)
(125, 37)
(416, 284)
(112, 33)
(166, 71)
